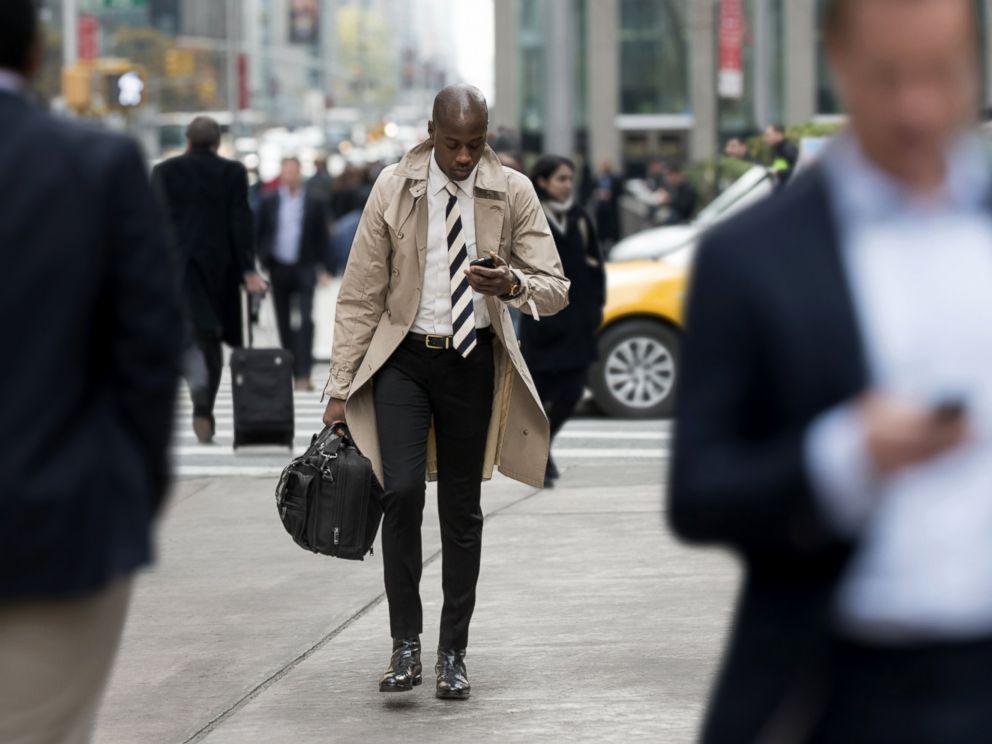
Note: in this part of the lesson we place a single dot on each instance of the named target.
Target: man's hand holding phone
(490, 276)
(899, 435)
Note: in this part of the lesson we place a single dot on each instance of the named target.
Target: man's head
(774, 134)
(203, 133)
(674, 174)
(458, 128)
(289, 175)
(735, 148)
(20, 40)
(908, 74)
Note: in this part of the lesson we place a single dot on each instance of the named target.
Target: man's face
(773, 136)
(290, 176)
(908, 75)
(458, 144)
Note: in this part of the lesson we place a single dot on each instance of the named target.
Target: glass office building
(641, 75)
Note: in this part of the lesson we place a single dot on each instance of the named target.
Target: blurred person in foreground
(93, 337)
(559, 350)
(784, 151)
(835, 414)
(293, 240)
(206, 200)
(426, 369)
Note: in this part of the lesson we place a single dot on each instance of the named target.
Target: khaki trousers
(55, 658)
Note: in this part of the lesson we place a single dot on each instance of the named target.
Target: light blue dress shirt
(289, 229)
(920, 274)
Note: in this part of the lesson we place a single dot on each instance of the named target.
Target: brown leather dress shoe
(452, 677)
(405, 670)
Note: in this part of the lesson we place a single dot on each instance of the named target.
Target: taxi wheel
(636, 374)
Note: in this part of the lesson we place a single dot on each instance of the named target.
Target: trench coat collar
(415, 164)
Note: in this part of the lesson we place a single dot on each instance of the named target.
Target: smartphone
(950, 409)
(487, 262)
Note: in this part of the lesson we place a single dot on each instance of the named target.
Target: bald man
(426, 369)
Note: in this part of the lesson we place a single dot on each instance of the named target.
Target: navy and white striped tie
(462, 306)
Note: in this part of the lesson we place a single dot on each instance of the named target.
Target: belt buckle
(445, 342)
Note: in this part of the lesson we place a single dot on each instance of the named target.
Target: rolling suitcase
(262, 394)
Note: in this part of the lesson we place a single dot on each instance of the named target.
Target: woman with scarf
(559, 349)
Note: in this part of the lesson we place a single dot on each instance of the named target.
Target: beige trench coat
(380, 297)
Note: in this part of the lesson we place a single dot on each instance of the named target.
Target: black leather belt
(440, 343)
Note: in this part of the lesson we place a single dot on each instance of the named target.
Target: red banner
(244, 84)
(88, 35)
(732, 24)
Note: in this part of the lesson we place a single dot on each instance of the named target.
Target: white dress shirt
(434, 315)
(289, 229)
(921, 280)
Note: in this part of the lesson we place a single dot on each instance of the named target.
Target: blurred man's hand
(255, 284)
(334, 413)
(325, 278)
(899, 435)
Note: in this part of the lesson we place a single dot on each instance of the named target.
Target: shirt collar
(284, 193)
(439, 181)
(12, 82)
(863, 190)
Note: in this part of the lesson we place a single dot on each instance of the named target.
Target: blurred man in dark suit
(293, 239)
(206, 198)
(835, 408)
(92, 344)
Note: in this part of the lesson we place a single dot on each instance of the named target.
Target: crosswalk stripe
(612, 436)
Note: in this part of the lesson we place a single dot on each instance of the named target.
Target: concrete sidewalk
(592, 625)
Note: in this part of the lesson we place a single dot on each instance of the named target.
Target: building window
(826, 99)
(654, 57)
(532, 67)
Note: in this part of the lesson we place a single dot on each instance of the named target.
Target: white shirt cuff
(839, 468)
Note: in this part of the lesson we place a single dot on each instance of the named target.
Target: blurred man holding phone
(835, 415)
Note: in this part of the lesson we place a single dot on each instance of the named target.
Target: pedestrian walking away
(426, 368)
(560, 349)
(293, 240)
(94, 341)
(834, 429)
(206, 202)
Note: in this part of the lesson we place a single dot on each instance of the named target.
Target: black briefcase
(329, 499)
(262, 394)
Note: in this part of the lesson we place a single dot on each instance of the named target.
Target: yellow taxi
(637, 371)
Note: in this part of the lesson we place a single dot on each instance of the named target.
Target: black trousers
(928, 694)
(560, 392)
(292, 294)
(204, 365)
(417, 385)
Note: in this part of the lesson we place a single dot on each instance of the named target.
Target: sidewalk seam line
(279, 674)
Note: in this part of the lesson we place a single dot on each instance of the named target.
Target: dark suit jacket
(92, 342)
(772, 342)
(206, 198)
(314, 237)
